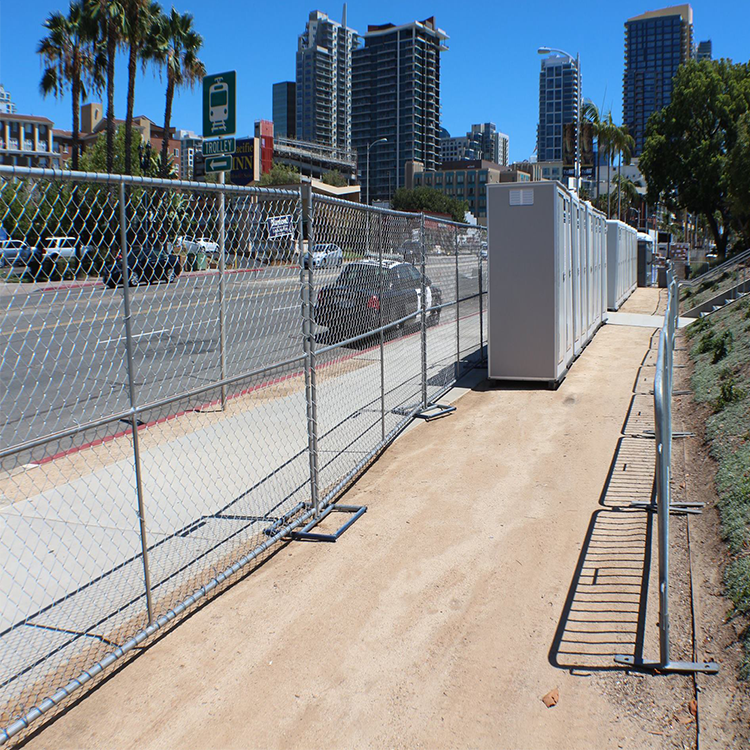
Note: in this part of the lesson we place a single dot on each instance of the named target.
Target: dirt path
(430, 623)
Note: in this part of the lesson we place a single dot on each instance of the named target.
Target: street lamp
(379, 140)
(577, 60)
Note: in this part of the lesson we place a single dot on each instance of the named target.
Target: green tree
(686, 155)
(280, 174)
(622, 145)
(96, 156)
(429, 199)
(335, 178)
(70, 59)
(176, 47)
(738, 180)
(139, 27)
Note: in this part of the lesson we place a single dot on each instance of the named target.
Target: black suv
(365, 290)
(144, 267)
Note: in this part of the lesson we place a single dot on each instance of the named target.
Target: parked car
(66, 248)
(324, 256)
(15, 253)
(144, 267)
(195, 245)
(365, 289)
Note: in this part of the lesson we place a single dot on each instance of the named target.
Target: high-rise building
(396, 95)
(285, 109)
(6, 105)
(558, 105)
(656, 44)
(324, 81)
(190, 146)
(483, 142)
(705, 51)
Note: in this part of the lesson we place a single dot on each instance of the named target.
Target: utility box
(622, 262)
(547, 279)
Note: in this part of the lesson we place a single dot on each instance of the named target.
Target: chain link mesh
(145, 455)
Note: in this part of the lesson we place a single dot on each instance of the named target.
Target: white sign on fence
(280, 226)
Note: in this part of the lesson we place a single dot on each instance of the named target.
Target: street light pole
(369, 146)
(547, 51)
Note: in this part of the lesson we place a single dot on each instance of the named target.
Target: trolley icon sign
(218, 109)
(219, 97)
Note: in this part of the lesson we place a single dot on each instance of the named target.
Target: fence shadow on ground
(605, 610)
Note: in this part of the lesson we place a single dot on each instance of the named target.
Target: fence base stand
(435, 412)
(651, 434)
(684, 667)
(694, 508)
(305, 535)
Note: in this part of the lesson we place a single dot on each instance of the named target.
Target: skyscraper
(481, 142)
(396, 95)
(324, 81)
(558, 105)
(285, 109)
(656, 44)
(705, 51)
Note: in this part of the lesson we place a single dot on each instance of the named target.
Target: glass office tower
(656, 44)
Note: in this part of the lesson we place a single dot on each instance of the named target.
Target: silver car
(325, 256)
(15, 253)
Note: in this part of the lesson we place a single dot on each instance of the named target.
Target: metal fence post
(132, 396)
(380, 326)
(306, 277)
(481, 310)
(222, 292)
(458, 307)
(423, 316)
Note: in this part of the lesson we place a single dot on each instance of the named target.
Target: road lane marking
(135, 336)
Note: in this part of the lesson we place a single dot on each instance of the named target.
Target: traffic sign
(219, 146)
(219, 104)
(216, 164)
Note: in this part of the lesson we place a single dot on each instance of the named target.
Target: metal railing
(157, 438)
(663, 433)
(741, 260)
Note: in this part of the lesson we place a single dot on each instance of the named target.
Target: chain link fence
(189, 373)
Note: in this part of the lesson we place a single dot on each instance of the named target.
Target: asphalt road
(64, 357)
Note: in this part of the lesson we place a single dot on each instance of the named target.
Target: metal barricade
(175, 400)
(663, 389)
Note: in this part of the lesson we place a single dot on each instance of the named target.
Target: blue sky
(490, 72)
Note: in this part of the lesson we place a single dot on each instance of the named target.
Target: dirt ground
(498, 560)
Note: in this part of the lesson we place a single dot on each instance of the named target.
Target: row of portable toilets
(556, 265)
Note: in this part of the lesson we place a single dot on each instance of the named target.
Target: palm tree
(108, 17)
(70, 59)
(622, 145)
(139, 25)
(177, 44)
(590, 114)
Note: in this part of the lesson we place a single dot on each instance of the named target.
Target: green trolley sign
(220, 104)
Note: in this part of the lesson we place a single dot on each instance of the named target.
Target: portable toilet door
(560, 303)
(577, 273)
(567, 281)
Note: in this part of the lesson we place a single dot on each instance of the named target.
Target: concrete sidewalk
(430, 623)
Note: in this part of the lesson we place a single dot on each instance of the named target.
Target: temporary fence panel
(622, 258)
(543, 277)
(663, 436)
(174, 403)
